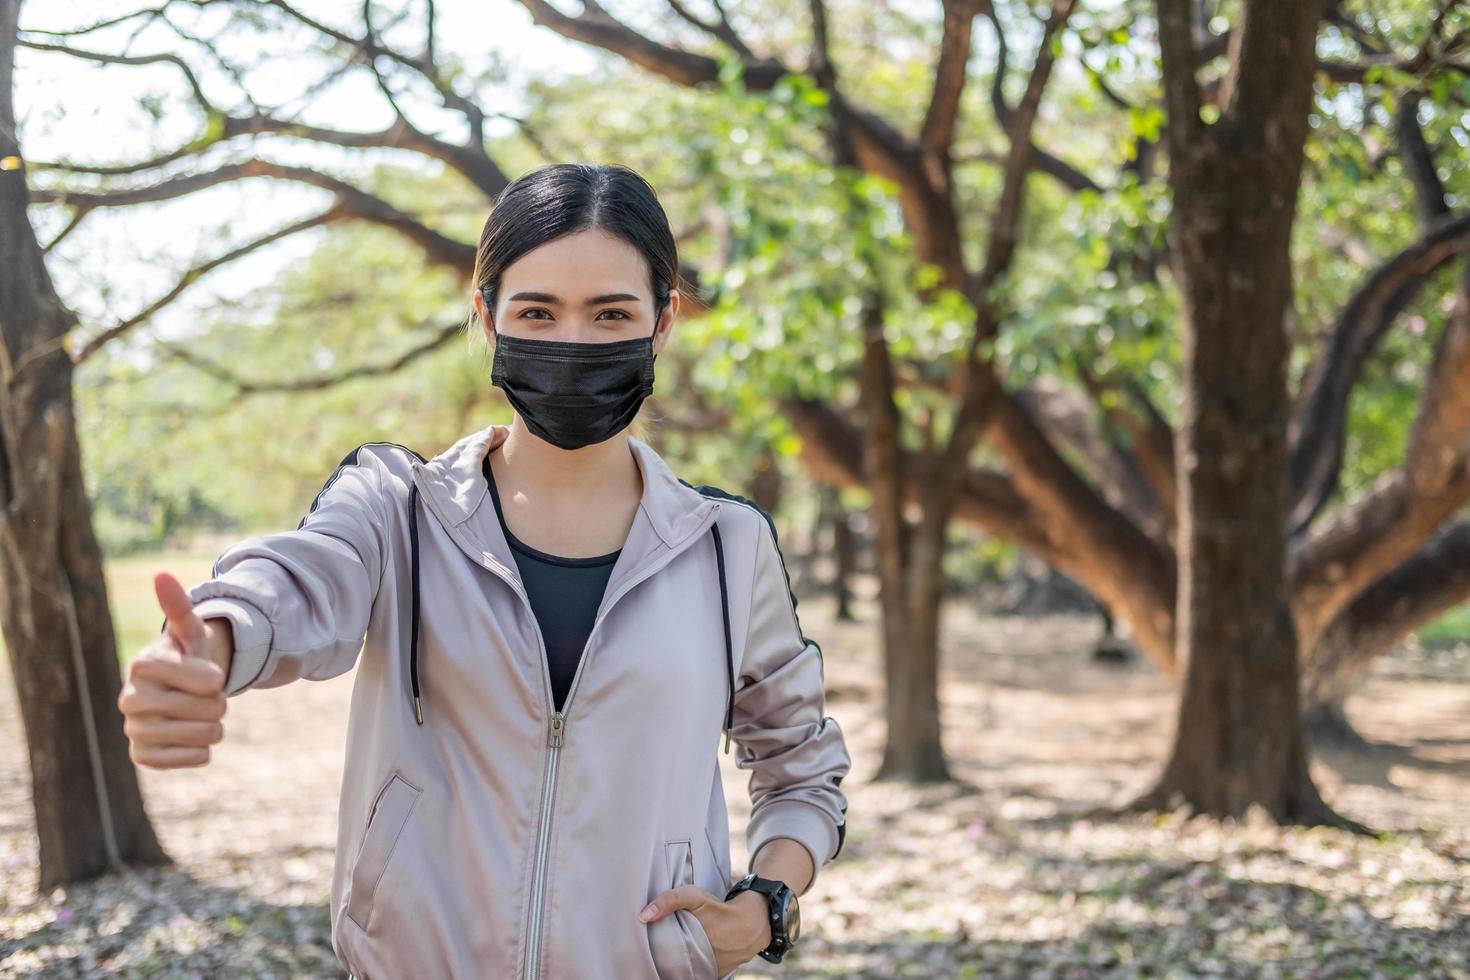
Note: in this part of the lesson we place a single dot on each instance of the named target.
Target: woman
(554, 631)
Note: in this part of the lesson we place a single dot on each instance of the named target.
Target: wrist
(785, 859)
(756, 911)
(782, 913)
(219, 644)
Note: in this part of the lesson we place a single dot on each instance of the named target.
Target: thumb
(683, 897)
(184, 625)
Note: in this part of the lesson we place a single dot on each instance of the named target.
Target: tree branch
(1066, 416)
(193, 275)
(1427, 584)
(351, 202)
(596, 27)
(1151, 437)
(401, 135)
(1266, 36)
(124, 59)
(1360, 541)
(1441, 430)
(425, 68)
(1040, 159)
(1125, 569)
(244, 387)
(1320, 425)
(721, 30)
(936, 135)
(832, 451)
(1418, 160)
(1181, 88)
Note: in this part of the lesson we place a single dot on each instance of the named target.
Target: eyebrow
(548, 298)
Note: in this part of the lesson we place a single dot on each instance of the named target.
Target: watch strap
(771, 888)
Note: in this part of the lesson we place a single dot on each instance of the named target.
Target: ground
(989, 876)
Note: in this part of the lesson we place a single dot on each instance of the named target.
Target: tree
(53, 599)
(1072, 464)
(1100, 509)
(1433, 579)
(1239, 739)
(58, 628)
(89, 811)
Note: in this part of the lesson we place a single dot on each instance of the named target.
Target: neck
(544, 471)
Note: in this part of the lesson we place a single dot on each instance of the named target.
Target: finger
(658, 907)
(193, 675)
(689, 897)
(183, 622)
(159, 732)
(172, 704)
(169, 756)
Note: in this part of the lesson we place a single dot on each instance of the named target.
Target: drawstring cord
(413, 655)
(729, 650)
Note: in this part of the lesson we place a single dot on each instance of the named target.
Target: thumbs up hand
(173, 699)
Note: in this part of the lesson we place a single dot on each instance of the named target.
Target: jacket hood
(456, 482)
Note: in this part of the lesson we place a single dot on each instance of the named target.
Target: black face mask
(570, 394)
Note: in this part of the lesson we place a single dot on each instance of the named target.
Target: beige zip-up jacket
(482, 834)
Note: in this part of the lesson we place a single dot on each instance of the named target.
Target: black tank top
(564, 594)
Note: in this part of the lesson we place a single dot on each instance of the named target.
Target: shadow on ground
(164, 922)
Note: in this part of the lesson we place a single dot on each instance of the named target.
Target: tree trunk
(832, 515)
(1327, 726)
(844, 551)
(913, 750)
(916, 754)
(765, 482)
(53, 599)
(1110, 648)
(1238, 742)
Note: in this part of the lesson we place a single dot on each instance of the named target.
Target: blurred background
(1105, 366)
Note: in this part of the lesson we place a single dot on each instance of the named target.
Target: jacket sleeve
(299, 601)
(796, 754)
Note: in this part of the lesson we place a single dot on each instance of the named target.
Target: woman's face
(587, 287)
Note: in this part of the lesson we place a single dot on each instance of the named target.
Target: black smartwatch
(785, 916)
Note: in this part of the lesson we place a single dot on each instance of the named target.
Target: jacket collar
(457, 483)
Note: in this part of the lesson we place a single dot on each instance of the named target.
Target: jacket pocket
(385, 825)
(681, 948)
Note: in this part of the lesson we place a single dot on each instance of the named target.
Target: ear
(487, 317)
(665, 323)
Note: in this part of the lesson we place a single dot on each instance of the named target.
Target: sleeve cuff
(252, 638)
(803, 822)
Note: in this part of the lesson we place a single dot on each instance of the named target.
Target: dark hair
(561, 198)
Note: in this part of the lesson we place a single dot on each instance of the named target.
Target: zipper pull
(558, 725)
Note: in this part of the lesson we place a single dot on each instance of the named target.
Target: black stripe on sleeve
(351, 459)
(711, 491)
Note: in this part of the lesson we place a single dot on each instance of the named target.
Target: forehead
(585, 262)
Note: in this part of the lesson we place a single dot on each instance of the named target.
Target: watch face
(793, 920)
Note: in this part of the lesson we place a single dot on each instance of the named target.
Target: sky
(82, 112)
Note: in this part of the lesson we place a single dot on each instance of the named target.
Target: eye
(525, 314)
(620, 314)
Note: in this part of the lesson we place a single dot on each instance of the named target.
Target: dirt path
(987, 876)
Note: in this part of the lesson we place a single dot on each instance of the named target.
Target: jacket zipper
(557, 728)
